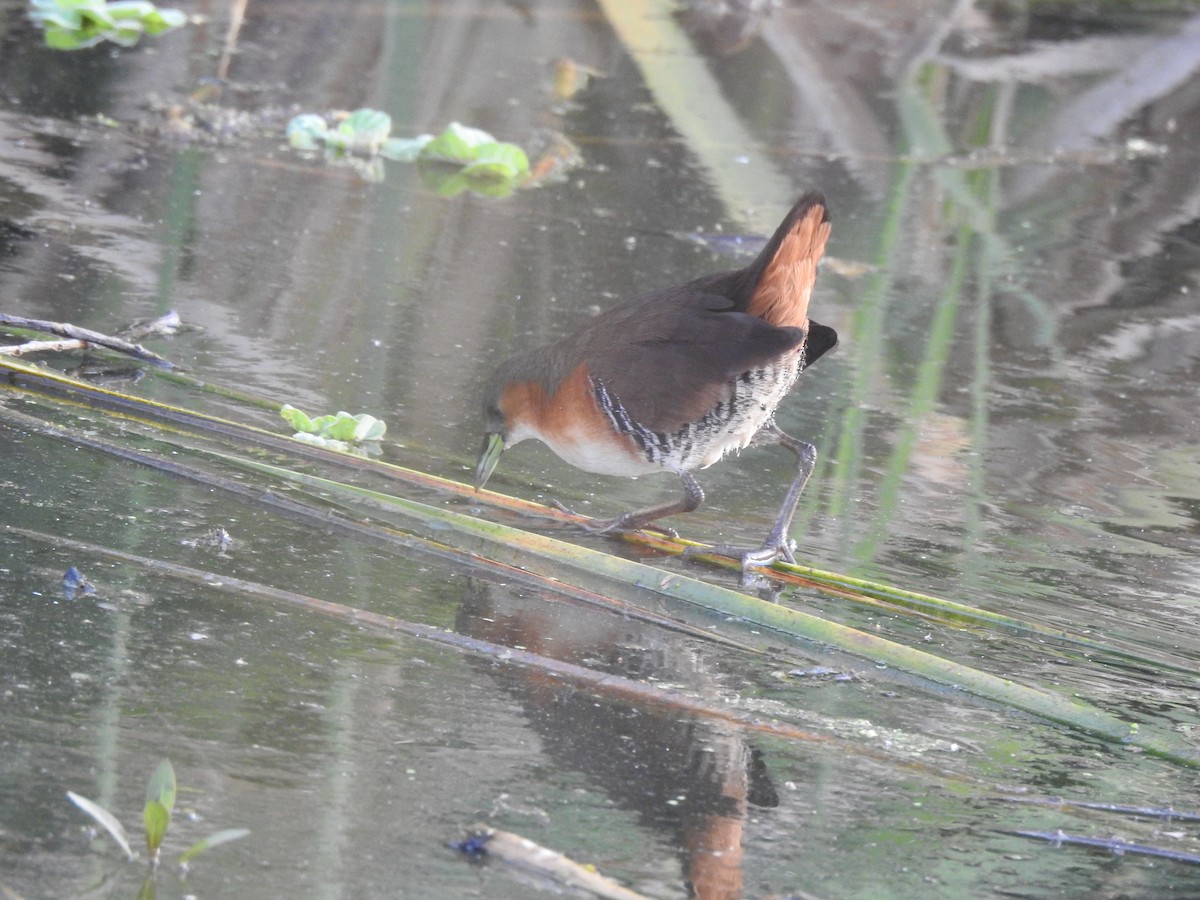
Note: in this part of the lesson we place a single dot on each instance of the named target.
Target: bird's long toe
(589, 524)
(626, 521)
(768, 554)
(629, 521)
(752, 560)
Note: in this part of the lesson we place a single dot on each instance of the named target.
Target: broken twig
(74, 333)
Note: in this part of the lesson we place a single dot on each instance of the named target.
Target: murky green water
(1010, 421)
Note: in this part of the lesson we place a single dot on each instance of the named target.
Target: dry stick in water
(74, 333)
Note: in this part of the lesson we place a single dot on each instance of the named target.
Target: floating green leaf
(463, 158)
(478, 152)
(75, 24)
(307, 132)
(337, 431)
(448, 182)
(405, 149)
(361, 427)
(457, 144)
(489, 167)
(364, 130)
(149, 16)
(297, 418)
(500, 161)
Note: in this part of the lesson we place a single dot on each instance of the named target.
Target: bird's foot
(563, 508)
(626, 521)
(765, 555)
(770, 552)
(752, 560)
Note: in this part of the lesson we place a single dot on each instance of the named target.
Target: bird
(674, 379)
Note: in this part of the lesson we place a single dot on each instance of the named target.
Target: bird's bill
(493, 446)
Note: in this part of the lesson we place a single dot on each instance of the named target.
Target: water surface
(1010, 421)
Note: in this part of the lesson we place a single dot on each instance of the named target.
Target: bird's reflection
(690, 781)
(726, 27)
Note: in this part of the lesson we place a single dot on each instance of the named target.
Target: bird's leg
(777, 545)
(637, 519)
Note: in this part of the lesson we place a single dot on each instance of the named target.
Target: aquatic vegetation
(363, 131)
(156, 818)
(75, 24)
(460, 158)
(342, 431)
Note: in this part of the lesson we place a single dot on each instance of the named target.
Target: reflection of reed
(963, 160)
(690, 781)
(726, 27)
(237, 15)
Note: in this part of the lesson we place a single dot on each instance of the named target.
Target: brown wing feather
(686, 350)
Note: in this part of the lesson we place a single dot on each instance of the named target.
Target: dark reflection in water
(689, 781)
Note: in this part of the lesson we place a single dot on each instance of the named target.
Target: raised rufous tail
(781, 279)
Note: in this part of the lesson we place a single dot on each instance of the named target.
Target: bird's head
(515, 404)
(495, 433)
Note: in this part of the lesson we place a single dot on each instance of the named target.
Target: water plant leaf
(160, 800)
(480, 154)
(164, 20)
(501, 161)
(342, 427)
(323, 424)
(297, 418)
(57, 14)
(161, 786)
(213, 840)
(364, 130)
(73, 38)
(307, 131)
(405, 149)
(448, 182)
(76, 24)
(458, 144)
(361, 427)
(156, 818)
(488, 167)
(129, 9)
(152, 19)
(126, 34)
(464, 158)
(104, 819)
